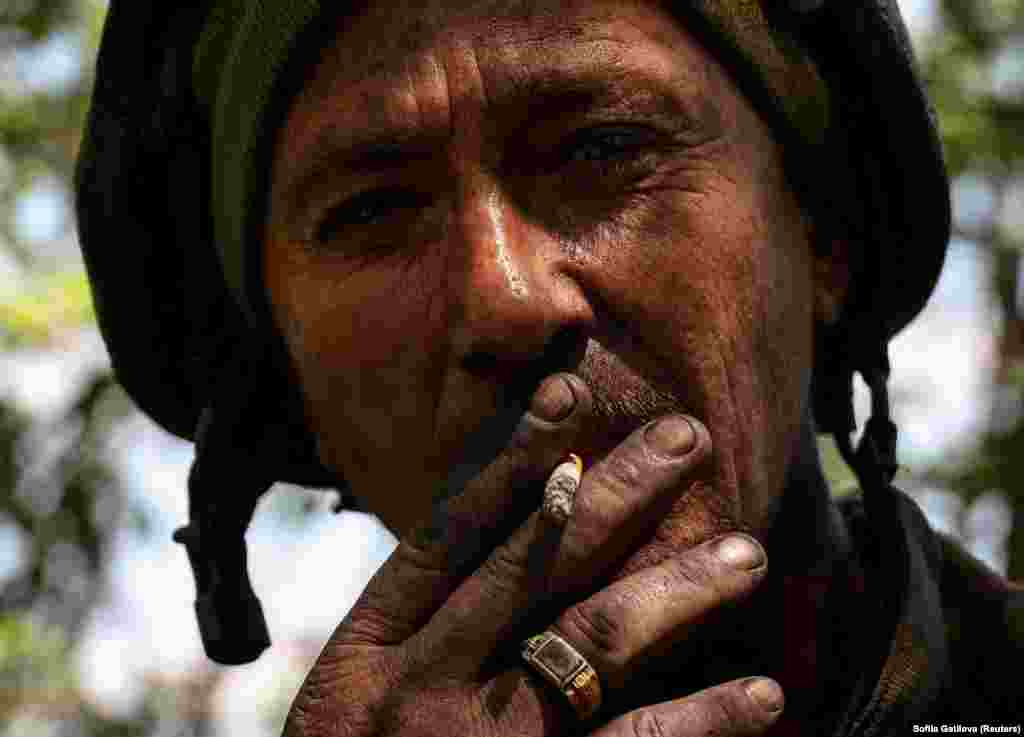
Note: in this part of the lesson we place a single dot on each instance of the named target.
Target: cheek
(365, 345)
(769, 349)
(725, 305)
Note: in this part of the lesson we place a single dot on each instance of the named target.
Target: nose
(518, 312)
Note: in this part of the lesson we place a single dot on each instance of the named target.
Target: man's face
(461, 183)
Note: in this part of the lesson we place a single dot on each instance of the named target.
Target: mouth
(564, 352)
(623, 400)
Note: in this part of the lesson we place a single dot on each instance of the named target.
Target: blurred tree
(57, 493)
(975, 68)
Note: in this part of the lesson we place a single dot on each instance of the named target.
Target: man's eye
(366, 208)
(607, 144)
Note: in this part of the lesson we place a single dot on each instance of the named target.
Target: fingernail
(766, 693)
(740, 552)
(671, 436)
(553, 400)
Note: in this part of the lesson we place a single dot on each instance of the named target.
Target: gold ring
(560, 490)
(562, 666)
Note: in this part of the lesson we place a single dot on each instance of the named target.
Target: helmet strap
(873, 459)
(248, 436)
(224, 486)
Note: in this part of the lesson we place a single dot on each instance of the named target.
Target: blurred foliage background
(64, 505)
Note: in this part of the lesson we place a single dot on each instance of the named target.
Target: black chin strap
(249, 436)
(224, 486)
(873, 459)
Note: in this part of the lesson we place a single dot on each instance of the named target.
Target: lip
(564, 352)
(571, 350)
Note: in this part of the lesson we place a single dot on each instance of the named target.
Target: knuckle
(647, 723)
(420, 552)
(691, 572)
(506, 568)
(727, 710)
(621, 472)
(367, 623)
(721, 708)
(602, 626)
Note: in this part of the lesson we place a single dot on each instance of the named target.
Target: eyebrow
(388, 150)
(335, 149)
(614, 89)
(555, 93)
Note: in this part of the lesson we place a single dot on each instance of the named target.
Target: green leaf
(45, 307)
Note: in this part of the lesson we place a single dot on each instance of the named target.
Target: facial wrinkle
(516, 284)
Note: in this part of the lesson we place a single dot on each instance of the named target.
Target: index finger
(474, 514)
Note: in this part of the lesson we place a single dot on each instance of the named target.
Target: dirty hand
(425, 651)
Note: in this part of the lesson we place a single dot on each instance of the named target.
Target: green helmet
(187, 327)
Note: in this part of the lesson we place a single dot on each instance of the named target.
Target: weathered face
(460, 183)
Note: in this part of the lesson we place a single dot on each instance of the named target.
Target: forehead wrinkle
(512, 29)
(380, 123)
(365, 54)
(579, 68)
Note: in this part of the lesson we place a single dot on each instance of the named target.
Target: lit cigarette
(560, 490)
